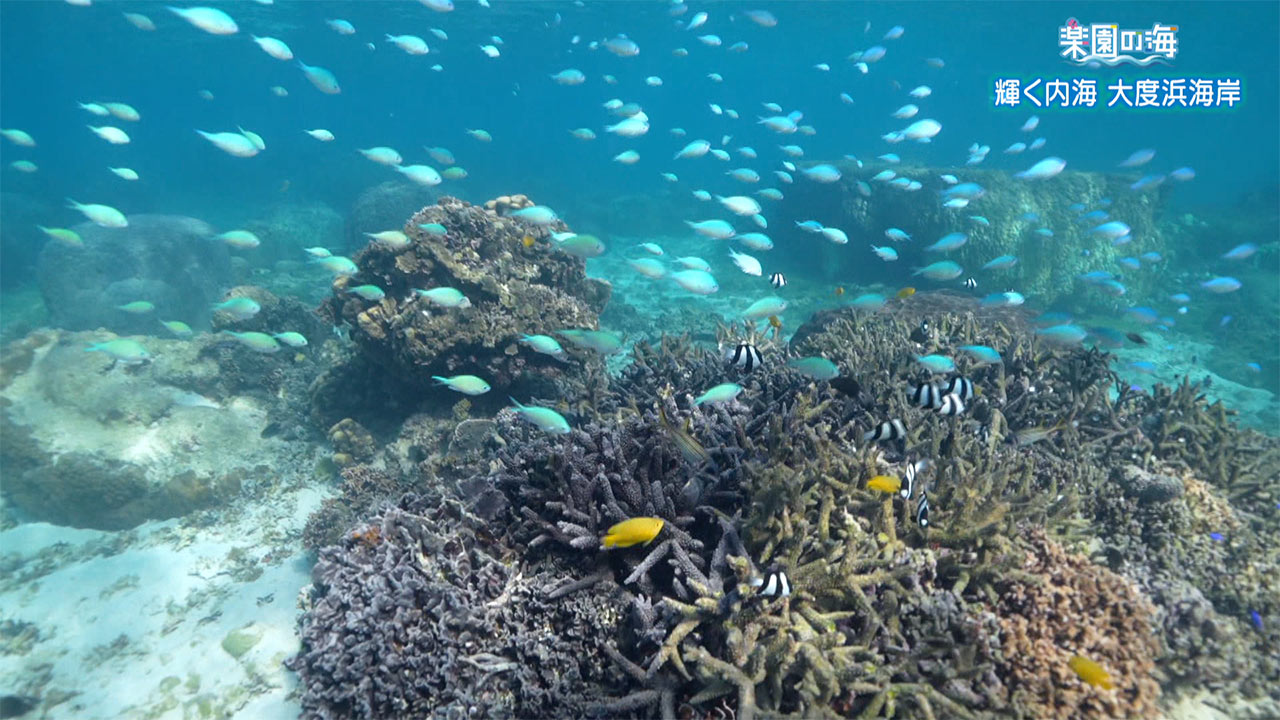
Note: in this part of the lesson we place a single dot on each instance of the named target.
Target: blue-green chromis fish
(178, 328)
(816, 368)
(255, 341)
(465, 384)
(605, 343)
(123, 350)
(723, 393)
(372, 293)
(241, 308)
(546, 419)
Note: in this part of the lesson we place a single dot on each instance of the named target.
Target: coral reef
(975, 615)
(512, 288)
(1047, 267)
(1066, 606)
(170, 261)
(422, 615)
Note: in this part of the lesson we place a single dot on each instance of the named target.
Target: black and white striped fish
(922, 509)
(776, 584)
(887, 430)
(961, 386)
(926, 395)
(951, 405)
(909, 478)
(971, 283)
(777, 279)
(745, 357)
(921, 333)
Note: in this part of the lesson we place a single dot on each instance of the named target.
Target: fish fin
(443, 381)
(515, 402)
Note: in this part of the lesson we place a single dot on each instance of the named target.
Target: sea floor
(174, 619)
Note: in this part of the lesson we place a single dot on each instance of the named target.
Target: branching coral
(885, 618)
(426, 618)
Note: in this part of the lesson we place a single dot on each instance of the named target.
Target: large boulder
(88, 442)
(171, 261)
(516, 283)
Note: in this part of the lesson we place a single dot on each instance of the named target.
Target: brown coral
(1064, 605)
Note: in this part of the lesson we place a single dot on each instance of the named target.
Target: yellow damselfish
(884, 483)
(905, 292)
(636, 531)
(1091, 672)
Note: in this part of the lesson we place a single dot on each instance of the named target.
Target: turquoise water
(242, 442)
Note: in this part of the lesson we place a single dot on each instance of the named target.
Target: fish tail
(96, 347)
(515, 402)
(72, 204)
(609, 541)
(444, 381)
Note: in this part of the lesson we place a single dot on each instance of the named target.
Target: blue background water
(53, 55)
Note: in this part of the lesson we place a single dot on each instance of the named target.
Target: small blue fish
(822, 173)
(1001, 263)
(1151, 257)
(1180, 298)
(1131, 263)
(1097, 276)
(943, 270)
(1112, 288)
(980, 220)
(948, 242)
(1030, 217)
(1113, 230)
(936, 363)
(1256, 368)
(1221, 285)
(1076, 207)
(1223, 322)
(816, 368)
(812, 226)
(1066, 335)
(1148, 181)
(1217, 536)
(1240, 252)
(1143, 314)
(1107, 337)
(1098, 215)
(1143, 366)
(1052, 318)
(1256, 617)
(981, 354)
(1044, 232)
(870, 301)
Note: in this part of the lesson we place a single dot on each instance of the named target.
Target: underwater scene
(639, 359)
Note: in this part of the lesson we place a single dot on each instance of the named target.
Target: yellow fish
(839, 291)
(905, 292)
(884, 483)
(636, 531)
(774, 322)
(528, 241)
(1091, 672)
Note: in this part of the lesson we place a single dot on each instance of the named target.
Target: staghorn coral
(427, 617)
(1068, 606)
(885, 619)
